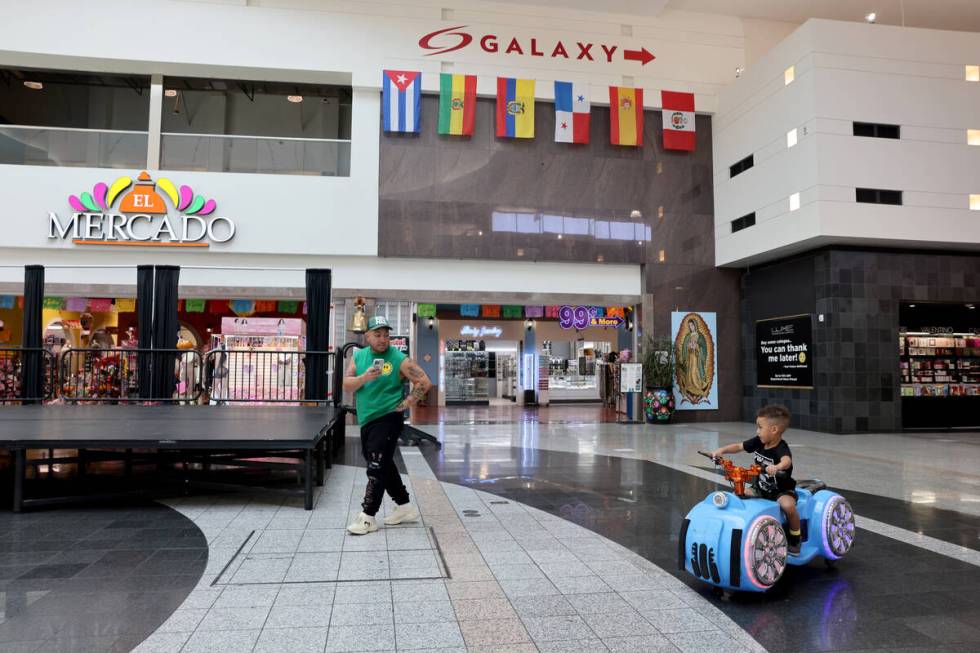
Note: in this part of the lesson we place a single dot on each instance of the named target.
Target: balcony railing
(258, 154)
(70, 147)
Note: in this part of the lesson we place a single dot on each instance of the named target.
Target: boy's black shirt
(768, 485)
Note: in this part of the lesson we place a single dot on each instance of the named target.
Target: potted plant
(658, 375)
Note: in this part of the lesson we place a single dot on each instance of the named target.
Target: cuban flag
(572, 109)
(401, 100)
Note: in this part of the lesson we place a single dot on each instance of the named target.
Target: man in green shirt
(375, 375)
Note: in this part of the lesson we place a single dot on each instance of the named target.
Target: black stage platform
(211, 435)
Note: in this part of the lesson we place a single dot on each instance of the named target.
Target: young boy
(772, 454)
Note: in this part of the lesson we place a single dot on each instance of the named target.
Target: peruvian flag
(678, 112)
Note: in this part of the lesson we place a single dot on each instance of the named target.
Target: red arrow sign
(643, 55)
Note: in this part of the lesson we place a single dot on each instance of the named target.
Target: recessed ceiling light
(871, 17)
(295, 99)
(170, 92)
(34, 86)
(911, 305)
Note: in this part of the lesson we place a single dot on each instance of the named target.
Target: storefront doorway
(939, 365)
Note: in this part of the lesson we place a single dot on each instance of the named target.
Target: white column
(156, 111)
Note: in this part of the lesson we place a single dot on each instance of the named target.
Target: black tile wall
(856, 379)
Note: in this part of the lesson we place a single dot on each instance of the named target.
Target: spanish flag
(457, 104)
(515, 107)
(626, 116)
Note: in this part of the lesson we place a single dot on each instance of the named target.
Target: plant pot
(658, 405)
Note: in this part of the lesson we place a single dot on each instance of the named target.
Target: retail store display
(260, 353)
(940, 366)
(467, 375)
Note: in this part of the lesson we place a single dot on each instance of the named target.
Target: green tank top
(380, 396)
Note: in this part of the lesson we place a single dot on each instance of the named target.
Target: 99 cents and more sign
(583, 317)
(784, 352)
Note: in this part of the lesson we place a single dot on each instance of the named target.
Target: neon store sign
(142, 217)
(583, 317)
(480, 332)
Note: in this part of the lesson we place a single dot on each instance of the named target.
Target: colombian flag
(626, 116)
(515, 107)
(457, 104)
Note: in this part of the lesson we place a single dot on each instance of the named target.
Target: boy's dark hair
(775, 412)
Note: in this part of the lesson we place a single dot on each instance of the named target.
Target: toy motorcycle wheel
(839, 526)
(765, 551)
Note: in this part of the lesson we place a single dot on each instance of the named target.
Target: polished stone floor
(557, 536)
(94, 579)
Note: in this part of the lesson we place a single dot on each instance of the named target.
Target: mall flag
(678, 110)
(626, 116)
(515, 107)
(401, 101)
(572, 110)
(457, 104)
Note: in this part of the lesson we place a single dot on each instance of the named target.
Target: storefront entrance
(939, 361)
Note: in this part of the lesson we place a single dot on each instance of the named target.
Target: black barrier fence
(113, 375)
(219, 376)
(247, 376)
(13, 364)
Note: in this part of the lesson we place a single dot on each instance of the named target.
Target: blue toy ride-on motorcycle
(735, 541)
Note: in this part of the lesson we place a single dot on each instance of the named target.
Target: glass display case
(467, 377)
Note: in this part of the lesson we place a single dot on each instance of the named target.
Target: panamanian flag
(401, 100)
(572, 109)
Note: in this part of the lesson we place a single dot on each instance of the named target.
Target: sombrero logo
(142, 218)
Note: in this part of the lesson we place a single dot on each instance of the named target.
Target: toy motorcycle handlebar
(739, 476)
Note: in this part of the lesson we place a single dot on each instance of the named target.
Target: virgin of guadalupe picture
(694, 353)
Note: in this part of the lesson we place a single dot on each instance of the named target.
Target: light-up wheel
(765, 552)
(838, 522)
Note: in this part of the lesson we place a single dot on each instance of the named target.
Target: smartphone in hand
(378, 364)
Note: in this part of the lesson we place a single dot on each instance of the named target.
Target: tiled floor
(476, 574)
(535, 536)
(513, 414)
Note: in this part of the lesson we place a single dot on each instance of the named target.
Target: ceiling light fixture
(871, 17)
(34, 86)
(295, 99)
(170, 92)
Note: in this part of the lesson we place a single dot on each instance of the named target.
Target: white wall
(351, 42)
(846, 72)
(414, 276)
(275, 214)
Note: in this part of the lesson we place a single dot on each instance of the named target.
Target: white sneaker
(363, 525)
(404, 513)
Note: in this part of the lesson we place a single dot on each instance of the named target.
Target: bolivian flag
(457, 104)
(515, 107)
(626, 116)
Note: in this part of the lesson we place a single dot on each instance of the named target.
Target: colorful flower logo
(143, 198)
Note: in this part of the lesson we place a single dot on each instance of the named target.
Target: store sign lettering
(583, 317)
(480, 332)
(142, 217)
(456, 38)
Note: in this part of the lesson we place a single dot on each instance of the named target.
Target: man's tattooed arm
(419, 380)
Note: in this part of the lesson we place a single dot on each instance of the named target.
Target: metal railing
(72, 147)
(260, 154)
(261, 377)
(12, 363)
(115, 375)
(220, 376)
